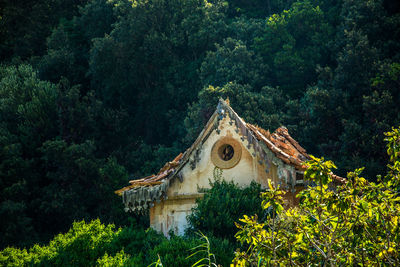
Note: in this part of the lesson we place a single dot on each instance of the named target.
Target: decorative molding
(216, 157)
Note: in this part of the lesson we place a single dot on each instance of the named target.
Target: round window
(226, 153)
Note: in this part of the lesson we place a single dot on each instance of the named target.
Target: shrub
(136, 242)
(356, 224)
(174, 252)
(120, 259)
(13, 257)
(222, 205)
(85, 244)
(96, 244)
(80, 246)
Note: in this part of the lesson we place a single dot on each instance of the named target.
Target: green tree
(257, 8)
(148, 64)
(292, 44)
(233, 62)
(78, 185)
(58, 162)
(263, 108)
(339, 111)
(355, 224)
(24, 26)
(27, 113)
(69, 43)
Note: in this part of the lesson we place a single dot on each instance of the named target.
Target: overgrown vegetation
(96, 244)
(96, 92)
(223, 204)
(356, 224)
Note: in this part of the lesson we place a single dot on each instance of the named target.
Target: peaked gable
(278, 148)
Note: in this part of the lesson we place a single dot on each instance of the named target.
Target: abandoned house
(243, 151)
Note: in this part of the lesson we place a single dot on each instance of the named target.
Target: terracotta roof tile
(282, 145)
(151, 180)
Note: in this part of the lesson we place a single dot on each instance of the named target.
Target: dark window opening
(226, 152)
(299, 176)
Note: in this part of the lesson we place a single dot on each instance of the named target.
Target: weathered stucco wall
(170, 214)
(247, 170)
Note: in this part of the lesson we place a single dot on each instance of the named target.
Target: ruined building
(243, 151)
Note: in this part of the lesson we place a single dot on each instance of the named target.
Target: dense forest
(96, 92)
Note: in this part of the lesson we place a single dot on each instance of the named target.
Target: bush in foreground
(96, 244)
(82, 245)
(223, 204)
(356, 224)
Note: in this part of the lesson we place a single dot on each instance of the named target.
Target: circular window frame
(216, 156)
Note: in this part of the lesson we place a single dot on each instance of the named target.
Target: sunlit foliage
(354, 224)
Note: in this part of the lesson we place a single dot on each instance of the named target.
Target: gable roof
(142, 193)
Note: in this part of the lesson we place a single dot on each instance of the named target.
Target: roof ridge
(260, 138)
(285, 132)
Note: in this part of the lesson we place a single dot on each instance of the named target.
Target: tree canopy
(95, 91)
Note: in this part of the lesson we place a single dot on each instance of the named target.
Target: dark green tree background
(96, 92)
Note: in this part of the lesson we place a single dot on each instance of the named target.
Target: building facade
(244, 152)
